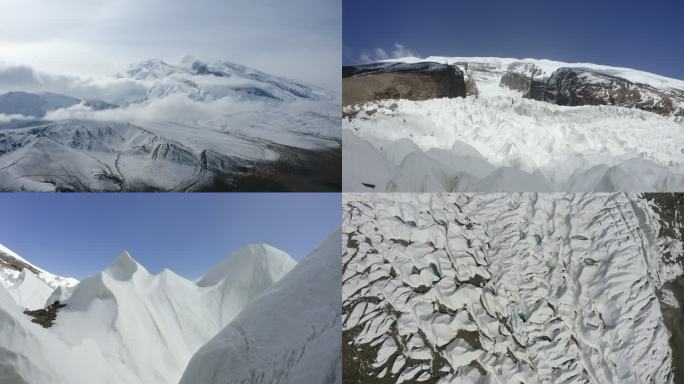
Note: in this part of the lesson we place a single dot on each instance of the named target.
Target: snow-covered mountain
(203, 81)
(502, 288)
(125, 325)
(530, 125)
(194, 126)
(289, 335)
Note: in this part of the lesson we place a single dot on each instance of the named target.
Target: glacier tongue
(289, 335)
(501, 288)
(127, 325)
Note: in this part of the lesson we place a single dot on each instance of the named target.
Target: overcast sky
(300, 39)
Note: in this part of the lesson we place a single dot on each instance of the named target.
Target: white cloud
(377, 54)
(4, 118)
(28, 79)
(177, 107)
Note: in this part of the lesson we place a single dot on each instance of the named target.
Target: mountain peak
(124, 267)
(149, 69)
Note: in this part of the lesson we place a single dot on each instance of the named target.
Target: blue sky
(80, 234)
(645, 35)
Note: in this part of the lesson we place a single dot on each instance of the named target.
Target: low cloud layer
(27, 79)
(4, 118)
(377, 54)
(177, 107)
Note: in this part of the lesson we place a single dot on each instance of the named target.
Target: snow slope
(126, 325)
(500, 288)
(195, 125)
(289, 334)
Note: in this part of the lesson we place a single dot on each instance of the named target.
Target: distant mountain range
(196, 126)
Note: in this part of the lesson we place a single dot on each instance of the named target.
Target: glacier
(514, 287)
(501, 139)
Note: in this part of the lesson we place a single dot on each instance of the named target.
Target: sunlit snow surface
(500, 141)
(502, 288)
(289, 335)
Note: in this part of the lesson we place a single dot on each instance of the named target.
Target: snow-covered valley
(190, 126)
(502, 288)
(126, 325)
(524, 128)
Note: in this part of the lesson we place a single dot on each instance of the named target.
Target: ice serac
(502, 288)
(244, 275)
(290, 334)
(29, 291)
(124, 267)
(125, 325)
(413, 81)
(248, 262)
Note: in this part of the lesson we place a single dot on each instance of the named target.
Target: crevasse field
(503, 288)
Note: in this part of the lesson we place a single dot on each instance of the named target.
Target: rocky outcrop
(519, 76)
(419, 81)
(581, 86)
(10, 262)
